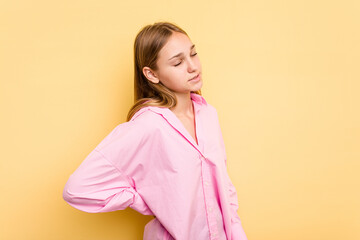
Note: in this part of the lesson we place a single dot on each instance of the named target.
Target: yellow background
(283, 75)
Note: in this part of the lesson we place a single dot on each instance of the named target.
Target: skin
(176, 74)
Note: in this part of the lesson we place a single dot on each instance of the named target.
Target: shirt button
(210, 209)
(206, 183)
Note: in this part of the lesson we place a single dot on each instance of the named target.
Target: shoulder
(209, 110)
(139, 129)
(148, 117)
(210, 115)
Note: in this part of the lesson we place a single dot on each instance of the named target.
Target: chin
(198, 86)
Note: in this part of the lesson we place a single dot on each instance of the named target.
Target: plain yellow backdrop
(283, 75)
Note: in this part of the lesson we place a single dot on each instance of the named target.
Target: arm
(237, 231)
(97, 186)
(102, 183)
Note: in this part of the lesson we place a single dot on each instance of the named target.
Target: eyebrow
(179, 54)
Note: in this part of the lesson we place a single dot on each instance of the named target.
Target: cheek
(198, 62)
(170, 76)
(177, 72)
(166, 73)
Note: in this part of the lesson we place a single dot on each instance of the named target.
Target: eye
(181, 61)
(177, 64)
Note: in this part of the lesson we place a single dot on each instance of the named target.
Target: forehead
(177, 43)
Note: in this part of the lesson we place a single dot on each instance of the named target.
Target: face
(179, 67)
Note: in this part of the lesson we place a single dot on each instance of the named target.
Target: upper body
(153, 165)
(169, 159)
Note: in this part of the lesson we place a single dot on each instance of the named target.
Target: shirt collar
(198, 99)
(171, 118)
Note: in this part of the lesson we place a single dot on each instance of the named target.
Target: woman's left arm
(237, 231)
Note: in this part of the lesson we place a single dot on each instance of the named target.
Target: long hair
(148, 43)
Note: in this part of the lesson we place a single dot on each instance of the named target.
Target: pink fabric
(153, 165)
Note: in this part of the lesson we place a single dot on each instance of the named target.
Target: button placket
(209, 201)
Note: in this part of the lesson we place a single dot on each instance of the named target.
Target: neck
(184, 106)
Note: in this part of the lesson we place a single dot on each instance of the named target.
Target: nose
(192, 65)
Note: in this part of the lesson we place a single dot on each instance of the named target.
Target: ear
(150, 75)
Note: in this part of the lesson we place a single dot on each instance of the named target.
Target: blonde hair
(148, 43)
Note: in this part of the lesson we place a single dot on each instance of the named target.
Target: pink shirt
(153, 165)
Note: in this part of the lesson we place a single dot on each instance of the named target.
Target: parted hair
(148, 43)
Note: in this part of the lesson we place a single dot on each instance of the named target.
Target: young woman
(168, 159)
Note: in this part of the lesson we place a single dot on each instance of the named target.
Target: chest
(190, 125)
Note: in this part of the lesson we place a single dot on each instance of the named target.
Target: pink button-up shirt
(153, 165)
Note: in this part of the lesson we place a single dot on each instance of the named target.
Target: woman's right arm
(97, 186)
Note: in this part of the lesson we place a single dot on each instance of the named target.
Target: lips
(194, 77)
